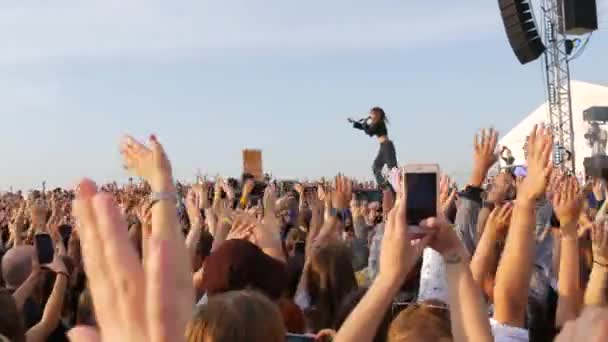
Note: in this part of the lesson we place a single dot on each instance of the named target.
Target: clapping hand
(132, 302)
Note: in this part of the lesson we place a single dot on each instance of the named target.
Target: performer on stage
(375, 125)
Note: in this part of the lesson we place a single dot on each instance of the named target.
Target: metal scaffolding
(557, 73)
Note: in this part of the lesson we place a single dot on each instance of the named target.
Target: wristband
(156, 197)
(600, 264)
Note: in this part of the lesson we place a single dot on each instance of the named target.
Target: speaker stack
(521, 30)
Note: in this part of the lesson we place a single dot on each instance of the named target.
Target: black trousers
(386, 156)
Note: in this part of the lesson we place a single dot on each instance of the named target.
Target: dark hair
(329, 280)
(380, 112)
(11, 320)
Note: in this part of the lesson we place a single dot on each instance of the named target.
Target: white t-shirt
(433, 285)
(505, 333)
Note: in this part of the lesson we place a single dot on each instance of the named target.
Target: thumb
(84, 334)
(157, 148)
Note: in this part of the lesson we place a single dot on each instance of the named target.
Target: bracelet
(600, 264)
(156, 197)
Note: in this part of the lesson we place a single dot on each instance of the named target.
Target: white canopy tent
(584, 95)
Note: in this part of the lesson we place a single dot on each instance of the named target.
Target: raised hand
(193, 208)
(484, 155)
(568, 204)
(399, 253)
(599, 237)
(447, 194)
(270, 201)
(599, 189)
(132, 303)
(202, 192)
(343, 192)
(499, 220)
(540, 147)
(151, 162)
(38, 214)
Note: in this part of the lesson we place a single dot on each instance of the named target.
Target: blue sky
(213, 77)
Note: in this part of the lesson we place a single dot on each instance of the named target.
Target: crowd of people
(522, 259)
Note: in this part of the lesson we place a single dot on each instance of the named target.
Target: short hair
(17, 265)
(421, 322)
(237, 316)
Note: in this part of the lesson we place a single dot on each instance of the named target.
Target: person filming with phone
(375, 125)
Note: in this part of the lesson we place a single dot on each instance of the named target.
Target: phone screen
(421, 196)
(299, 338)
(44, 248)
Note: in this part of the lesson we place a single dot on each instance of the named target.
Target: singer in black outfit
(375, 125)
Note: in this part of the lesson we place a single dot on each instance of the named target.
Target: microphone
(351, 120)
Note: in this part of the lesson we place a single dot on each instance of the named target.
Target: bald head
(17, 265)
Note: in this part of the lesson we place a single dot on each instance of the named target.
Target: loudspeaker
(596, 166)
(596, 114)
(580, 16)
(521, 30)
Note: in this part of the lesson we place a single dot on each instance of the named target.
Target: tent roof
(584, 95)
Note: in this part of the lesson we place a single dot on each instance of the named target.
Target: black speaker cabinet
(521, 30)
(580, 16)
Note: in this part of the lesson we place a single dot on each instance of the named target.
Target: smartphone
(422, 184)
(299, 338)
(300, 247)
(44, 248)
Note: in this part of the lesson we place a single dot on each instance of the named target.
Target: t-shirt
(505, 333)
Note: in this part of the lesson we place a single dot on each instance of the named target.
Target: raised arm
(515, 267)
(485, 259)
(568, 203)
(397, 258)
(470, 200)
(597, 287)
(52, 309)
(468, 310)
(196, 222)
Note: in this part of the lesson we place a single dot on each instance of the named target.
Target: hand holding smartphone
(44, 248)
(421, 183)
